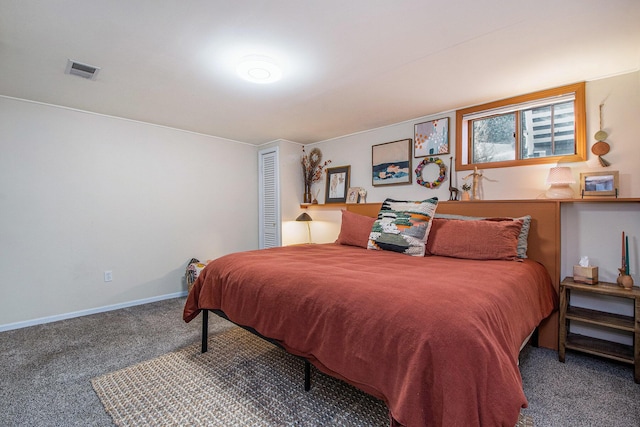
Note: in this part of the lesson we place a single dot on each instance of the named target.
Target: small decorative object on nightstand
(624, 279)
(627, 324)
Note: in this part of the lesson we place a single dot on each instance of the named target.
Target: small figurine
(363, 195)
(476, 182)
(624, 280)
(453, 191)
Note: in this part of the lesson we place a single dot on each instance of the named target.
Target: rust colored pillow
(355, 229)
(474, 239)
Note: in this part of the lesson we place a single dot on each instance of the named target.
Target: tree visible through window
(494, 138)
(537, 128)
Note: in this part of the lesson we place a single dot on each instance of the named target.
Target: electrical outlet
(108, 276)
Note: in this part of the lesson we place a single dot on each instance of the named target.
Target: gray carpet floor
(45, 370)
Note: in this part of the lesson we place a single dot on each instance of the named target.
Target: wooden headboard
(543, 243)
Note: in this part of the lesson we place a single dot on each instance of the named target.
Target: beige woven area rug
(241, 381)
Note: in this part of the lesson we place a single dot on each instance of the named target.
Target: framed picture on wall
(391, 163)
(337, 184)
(599, 184)
(431, 138)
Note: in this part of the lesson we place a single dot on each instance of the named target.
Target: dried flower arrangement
(312, 168)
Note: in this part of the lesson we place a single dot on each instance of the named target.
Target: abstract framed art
(431, 138)
(391, 163)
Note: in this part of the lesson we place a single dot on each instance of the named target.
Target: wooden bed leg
(205, 330)
(307, 376)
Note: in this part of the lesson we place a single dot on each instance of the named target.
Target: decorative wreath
(441, 176)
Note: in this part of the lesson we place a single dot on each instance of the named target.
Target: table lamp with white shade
(559, 180)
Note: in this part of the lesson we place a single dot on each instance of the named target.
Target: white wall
(592, 230)
(82, 193)
(621, 95)
(595, 230)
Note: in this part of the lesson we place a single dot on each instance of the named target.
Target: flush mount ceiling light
(259, 69)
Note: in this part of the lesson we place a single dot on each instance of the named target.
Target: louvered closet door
(269, 198)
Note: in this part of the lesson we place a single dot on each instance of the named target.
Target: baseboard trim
(49, 319)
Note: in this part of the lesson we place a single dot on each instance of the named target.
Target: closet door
(269, 198)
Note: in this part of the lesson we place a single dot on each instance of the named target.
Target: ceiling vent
(82, 70)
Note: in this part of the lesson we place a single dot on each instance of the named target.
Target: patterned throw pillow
(403, 226)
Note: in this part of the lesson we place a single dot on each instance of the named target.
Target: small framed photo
(391, 163)
(431, 138)
(599, 184)
(337, 184)
(353, 195)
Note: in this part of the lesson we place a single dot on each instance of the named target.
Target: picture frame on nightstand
(599, 184)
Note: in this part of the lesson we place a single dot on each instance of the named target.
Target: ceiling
(348, 66)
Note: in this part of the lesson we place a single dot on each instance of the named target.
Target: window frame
(463, 136)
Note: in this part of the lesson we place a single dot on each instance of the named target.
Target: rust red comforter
(436, 338)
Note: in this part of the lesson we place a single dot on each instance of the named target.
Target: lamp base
(559, 191)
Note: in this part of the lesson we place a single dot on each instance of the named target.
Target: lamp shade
(560, 175)
(304, 217)
(559, 179)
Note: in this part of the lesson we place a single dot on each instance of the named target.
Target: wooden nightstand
(631, 324)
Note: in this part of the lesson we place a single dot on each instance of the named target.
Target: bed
(435, 337)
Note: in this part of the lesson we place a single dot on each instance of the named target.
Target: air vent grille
(79, 69)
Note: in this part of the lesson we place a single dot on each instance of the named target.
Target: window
(541, 127)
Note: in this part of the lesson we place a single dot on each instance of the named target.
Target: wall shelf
(560, 201)
(331, 205)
